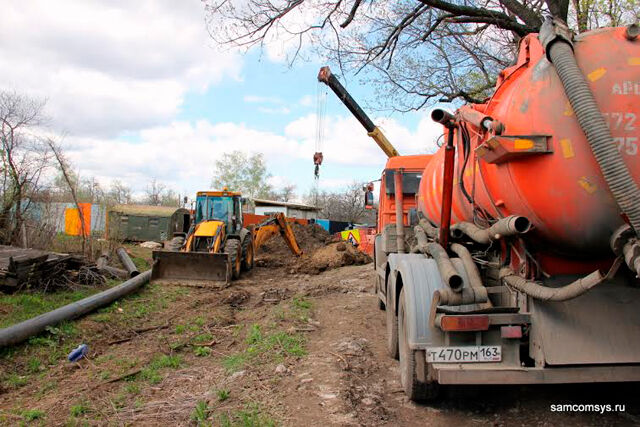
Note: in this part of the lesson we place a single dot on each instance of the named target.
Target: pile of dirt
(320, 252)
(331, 256)
(275, 252)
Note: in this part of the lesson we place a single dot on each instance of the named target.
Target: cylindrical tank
(561, 189)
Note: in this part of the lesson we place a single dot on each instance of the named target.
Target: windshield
(208, 208)
(219, 208)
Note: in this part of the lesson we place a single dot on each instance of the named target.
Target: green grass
(203, 338)
(34, 365)
(23, 306)
(301, 308)
(234, 362)
(151, 372)
(14, 380)
(251, 416)
(79, 409)
(202, 351)
(132, 388)
(222, 394)
(200, 413)
(274, 346)
(301, 303)
(32, 414)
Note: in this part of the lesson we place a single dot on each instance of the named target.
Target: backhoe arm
(277, 224)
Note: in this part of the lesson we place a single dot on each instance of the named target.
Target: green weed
(222, 394)
(32, 414)
(151, 374)
(200, 413)
(202, 351)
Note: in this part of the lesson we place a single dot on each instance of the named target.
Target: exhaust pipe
(447, 271)
(505, 227)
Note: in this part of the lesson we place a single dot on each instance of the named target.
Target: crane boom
(325, 76)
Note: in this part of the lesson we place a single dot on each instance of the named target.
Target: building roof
(145, 210)
(302, 207)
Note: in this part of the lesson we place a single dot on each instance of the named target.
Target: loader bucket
(201, 269)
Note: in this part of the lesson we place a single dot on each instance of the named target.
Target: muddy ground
(278, 347)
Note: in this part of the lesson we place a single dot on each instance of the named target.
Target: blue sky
(140, 91)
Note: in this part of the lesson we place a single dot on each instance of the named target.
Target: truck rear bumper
(460, 374)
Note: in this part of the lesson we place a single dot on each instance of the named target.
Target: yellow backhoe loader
(218, 246)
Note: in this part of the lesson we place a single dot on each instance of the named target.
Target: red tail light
(464, 323)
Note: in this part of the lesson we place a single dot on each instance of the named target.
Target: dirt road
(275, 348)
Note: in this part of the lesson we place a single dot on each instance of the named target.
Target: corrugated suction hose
(554, 37)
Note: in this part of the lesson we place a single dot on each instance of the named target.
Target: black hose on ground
(556, 39)
(21, 331)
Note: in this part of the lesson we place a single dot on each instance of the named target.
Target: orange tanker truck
(518, 260)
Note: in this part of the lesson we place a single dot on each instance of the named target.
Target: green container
(141, 223)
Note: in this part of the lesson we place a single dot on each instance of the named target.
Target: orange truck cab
(411, 168)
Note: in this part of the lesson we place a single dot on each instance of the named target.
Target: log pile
(22, 268)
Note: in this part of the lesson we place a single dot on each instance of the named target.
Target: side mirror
(368, 196)
(368, 200)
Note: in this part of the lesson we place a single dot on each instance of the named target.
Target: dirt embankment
(320, 252)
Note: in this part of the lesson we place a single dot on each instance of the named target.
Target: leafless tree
(119, 193)
(65, 169)
(24, 158)
(346, 205)
(154, 192)
(284, 194)
(415, 52)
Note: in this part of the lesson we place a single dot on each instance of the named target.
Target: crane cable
(321, 104)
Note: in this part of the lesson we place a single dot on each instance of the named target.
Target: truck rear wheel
(381, 304)
(232, 247)
(247, 253)
(412, 386)
(392, 328)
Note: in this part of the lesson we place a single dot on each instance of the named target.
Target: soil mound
(331, 256)
(276, 253)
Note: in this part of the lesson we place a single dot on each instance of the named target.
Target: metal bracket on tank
(504, 148)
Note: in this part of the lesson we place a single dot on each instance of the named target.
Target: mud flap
(201, 269)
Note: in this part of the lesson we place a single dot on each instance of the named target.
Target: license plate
(466, 354)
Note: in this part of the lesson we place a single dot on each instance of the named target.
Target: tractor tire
(413, 388)
(232, 247)
(247, 253)
(392, 328)
(381, 304)
(176, 243)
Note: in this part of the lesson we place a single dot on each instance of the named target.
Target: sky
(138, 90)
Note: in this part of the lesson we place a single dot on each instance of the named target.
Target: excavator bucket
(200, 269)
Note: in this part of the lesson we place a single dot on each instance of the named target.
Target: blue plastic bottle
(78, 353)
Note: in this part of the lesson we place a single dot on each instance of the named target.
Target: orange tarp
(72, 220)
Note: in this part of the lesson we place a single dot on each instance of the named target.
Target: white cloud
(346, 142)
(306, 101)
(254, 99)
(182, 154)
(269, 110)
(108, 67)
